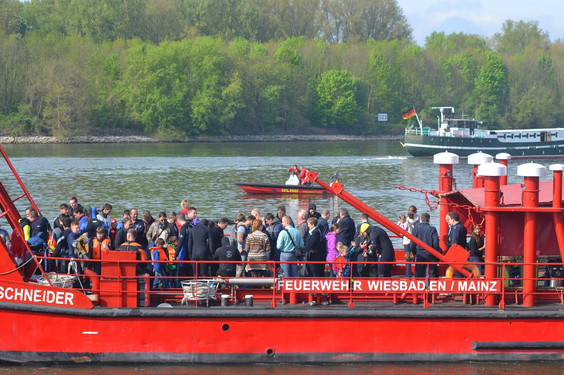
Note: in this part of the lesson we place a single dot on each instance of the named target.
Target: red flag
(408, 114)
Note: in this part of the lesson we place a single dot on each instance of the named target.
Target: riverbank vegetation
(183, 68)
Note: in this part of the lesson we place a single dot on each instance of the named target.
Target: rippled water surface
(158, 176)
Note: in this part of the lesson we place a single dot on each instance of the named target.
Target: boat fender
(95, 282)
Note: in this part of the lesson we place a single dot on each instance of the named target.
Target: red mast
(492, 174)
(531, 173)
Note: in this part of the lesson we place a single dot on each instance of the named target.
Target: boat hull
(429, 145)
(282, 189)
(237, 334)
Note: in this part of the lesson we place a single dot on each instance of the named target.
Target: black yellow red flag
(408, 114)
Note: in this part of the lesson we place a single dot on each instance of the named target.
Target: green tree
(14, 61)
(59, 89)
(164, 20)
(263, 88)
(338, 106)
(292, 18)
(11, 20)
(176, 88)
(492, 89)
(224, 18)
(360, 20)
(457, 58)
(412, 87)
(380, 80)
(517, 36)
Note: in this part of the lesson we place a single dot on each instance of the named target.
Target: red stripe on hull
(276, 339)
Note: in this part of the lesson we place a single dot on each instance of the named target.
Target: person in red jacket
(304, 179)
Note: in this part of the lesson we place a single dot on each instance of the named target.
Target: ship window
(546, 137)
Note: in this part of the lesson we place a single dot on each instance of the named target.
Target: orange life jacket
(171, 254)
(162, 254)
(98, 246)
(133, 246)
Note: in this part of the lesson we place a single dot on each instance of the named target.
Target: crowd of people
(425, 261)
(332, 246)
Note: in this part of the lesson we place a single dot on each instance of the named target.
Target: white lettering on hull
(31, 295)
(390, 285)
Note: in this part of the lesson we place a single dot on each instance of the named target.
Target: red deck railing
(349, 290)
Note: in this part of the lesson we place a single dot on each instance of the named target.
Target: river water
(158, 177)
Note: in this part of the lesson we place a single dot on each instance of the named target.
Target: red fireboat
(49, 319)
(293, 186)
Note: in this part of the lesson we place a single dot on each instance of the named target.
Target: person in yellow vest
(99, 243)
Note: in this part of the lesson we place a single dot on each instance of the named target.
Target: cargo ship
(463, 136)
(513, 312)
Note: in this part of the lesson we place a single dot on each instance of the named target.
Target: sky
(482, 17)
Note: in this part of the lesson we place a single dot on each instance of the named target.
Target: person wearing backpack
(315, 249)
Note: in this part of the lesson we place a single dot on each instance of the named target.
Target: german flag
(409, 114)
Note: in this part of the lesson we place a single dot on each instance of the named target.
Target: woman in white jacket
(411, 221)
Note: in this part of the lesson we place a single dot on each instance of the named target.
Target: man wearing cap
(364, 218)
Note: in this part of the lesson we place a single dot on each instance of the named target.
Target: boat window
(546, 136)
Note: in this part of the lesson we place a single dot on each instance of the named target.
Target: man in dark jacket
(456, 231)
(216, 235)
(91, 227)
(62, 248)
(200, 247)
(346, 224)
(131, 245)
(121, 235)
(190, 221)
(314, 249)
(40, 226)
(227, 253)
(427, 234)
(379, 246)
(322, 223)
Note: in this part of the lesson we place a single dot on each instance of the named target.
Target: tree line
(178, 68)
